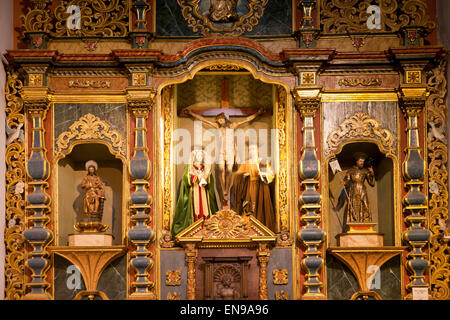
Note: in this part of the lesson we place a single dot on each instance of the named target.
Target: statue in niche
(251, 189)
(225, 290)
(197, 197)
(225, 160)
(93, 200)
(222, 11)
(358, 203)
(224, 277)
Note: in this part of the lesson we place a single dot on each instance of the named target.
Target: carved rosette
(311, 234)
(140, 234)
(38, 236)
(226, 224)
(15, 192)
(439, 271)
(415, 204)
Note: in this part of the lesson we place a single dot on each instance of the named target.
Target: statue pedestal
(90, 240)
(91, 261)
(360, 235)
(363, 262)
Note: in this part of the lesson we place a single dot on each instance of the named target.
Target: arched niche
(381, 197)
(238, 94)
(70, 172)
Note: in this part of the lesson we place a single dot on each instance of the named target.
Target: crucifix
(222, 123)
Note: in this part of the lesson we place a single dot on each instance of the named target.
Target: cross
(225, 106)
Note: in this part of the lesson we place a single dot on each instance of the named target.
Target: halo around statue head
(91, 163)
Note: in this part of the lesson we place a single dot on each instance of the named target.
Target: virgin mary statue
(197, 198)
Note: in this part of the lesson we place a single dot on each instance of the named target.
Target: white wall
(6, 42)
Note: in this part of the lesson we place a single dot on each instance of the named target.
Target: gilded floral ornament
(226, 224)
(15, 202)
(90, 127)
(37, 19)
(361, 125)
(371, 82)
(173, 277)
(351, 16)
(438, 180)
(99, 18)
(280, 276)
(216, 19)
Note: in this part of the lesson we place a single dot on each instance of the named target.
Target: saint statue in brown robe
(358, 204)
(251, 189)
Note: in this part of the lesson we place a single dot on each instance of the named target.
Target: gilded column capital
(37, 108)
(141, 102)
(307, 107)
(412, 100)
(307, 100)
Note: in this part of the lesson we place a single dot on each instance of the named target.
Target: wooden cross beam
(225, 107)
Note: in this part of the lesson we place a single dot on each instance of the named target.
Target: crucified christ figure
(225, 160)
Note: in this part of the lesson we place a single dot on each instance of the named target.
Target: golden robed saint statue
(93, 200)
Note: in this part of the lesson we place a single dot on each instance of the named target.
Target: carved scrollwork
(37, 19)
(15, 196)
(438, 178)
(372, 82)
(201, 23)
(99, 18)
(90, 127)
(97, 84)
(350, 16)
(361, 125)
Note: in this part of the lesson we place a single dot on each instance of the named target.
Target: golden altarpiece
(336, 187)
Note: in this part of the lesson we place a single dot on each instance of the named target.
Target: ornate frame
(199, 22)
(282, 120)
(366, 129)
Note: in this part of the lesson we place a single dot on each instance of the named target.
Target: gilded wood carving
(15, 192)
(90, 127)
(437, 181)
(208, 27)
(350, 16)
(361, 125)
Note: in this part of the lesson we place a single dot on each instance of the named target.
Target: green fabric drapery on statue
(184, 210)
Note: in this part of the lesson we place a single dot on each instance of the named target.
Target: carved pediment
(226, 229)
